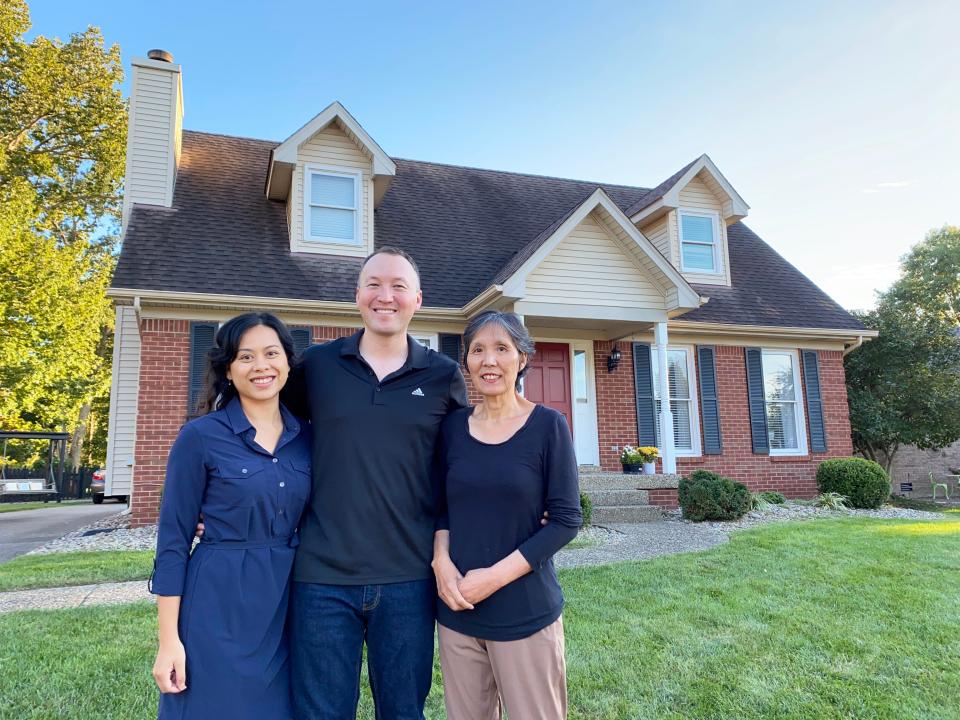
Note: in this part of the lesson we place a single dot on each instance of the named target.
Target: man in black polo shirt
(362, 573)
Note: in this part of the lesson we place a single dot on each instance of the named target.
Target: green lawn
(76, 568)
(15, 506)
(847, 618)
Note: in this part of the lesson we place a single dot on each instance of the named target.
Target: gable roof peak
(667, 193)
(284, 156)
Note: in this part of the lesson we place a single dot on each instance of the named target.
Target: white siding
(590, 267)
(696, 195)
(331, 147)
(153, 141)
(124, 387)
(658, 233)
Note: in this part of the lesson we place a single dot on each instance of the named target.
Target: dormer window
(699, 242)
(332, 201)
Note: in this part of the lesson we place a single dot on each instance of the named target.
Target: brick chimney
(154, 132)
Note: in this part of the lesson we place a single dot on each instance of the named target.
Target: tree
(62, 143)
(931, 277)
(904, 386)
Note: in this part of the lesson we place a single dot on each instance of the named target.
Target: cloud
(888, 185)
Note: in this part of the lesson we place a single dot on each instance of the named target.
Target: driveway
(24, 530)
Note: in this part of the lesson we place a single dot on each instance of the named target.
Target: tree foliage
(904, 385)
(62, 144)
(930, 284)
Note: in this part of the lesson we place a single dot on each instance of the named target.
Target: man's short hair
(390, 250)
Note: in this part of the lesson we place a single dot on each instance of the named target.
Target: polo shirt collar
(417, 356)
(239, 422)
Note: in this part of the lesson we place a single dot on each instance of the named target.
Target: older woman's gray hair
(511, 325)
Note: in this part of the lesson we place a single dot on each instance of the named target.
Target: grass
(902, 501)
(841, 618)
(75, 568)
(36, 505)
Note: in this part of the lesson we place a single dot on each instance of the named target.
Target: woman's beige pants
(528, 676)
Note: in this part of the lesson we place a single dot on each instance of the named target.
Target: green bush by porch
(705, 495)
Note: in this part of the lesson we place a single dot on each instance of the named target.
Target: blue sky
(838, 122)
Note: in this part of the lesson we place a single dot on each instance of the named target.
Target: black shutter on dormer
(709, 403)
(646, 403)
(811, 384)
(450, 345)
(201, 340)
(756, 401)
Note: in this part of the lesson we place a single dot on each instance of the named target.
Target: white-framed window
(331, 206)
(699, 241)
(580, 376)
(429, 341)
(683, 398)
(783, 402)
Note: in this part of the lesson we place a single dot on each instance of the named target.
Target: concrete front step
(620, 481)
(607, 514)
(618, 497)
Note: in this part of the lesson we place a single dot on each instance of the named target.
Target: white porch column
(523, 385)
(667, 449)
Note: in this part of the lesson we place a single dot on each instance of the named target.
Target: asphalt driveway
(24, 530)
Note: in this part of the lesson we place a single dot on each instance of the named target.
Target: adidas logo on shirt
(418, 392)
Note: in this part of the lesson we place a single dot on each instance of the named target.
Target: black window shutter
(811, 383)
(709, 404)
(450, 346)
(301, 339)
(201, 340)
(755, 398)
(646, 403)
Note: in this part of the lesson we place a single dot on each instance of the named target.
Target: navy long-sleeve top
(495, 495)
(246, 494)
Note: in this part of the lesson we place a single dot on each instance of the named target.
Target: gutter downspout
(136, 310)
(858, 343)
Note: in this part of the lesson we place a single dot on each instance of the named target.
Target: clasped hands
(462, 592)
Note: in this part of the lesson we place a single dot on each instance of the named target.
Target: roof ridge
(231, 137)
(596, 183)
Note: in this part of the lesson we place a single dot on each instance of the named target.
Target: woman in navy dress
(245, 466)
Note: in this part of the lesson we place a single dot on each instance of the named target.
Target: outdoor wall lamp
(614, 359)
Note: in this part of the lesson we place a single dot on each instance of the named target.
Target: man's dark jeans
(328, 626)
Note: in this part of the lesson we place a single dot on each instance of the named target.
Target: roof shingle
(464, 226)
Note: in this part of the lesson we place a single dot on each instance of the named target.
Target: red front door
(548, 380)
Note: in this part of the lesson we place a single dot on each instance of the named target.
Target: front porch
(620, 498)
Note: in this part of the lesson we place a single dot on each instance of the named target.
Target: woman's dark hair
(512, 325)
(218, 391)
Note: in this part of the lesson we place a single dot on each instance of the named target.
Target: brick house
(632, 294)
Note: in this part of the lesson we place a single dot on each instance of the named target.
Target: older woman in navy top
(245, 466)
(501, 464)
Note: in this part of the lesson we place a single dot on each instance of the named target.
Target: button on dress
(235, 584)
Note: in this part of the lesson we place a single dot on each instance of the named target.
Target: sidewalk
(72, 597)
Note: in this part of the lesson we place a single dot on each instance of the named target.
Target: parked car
(98, 486)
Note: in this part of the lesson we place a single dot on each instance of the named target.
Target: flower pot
(634, 469)
(649, 468)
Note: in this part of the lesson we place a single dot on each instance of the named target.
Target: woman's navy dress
(235, 584)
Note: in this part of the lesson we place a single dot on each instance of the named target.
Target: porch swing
(14, 482)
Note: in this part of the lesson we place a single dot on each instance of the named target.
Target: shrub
(708, 496)
(586, 508)
(831, 501)
(773, 497)
(862, 482)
